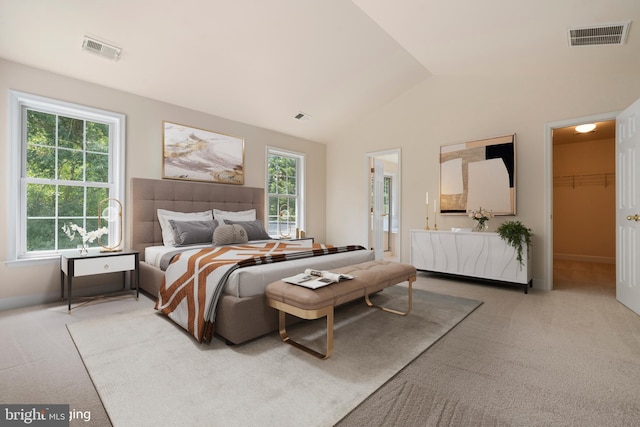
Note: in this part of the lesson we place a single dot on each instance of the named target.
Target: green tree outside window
(283, 189)
(67, 174)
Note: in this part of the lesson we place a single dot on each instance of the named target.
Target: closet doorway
(584, 212)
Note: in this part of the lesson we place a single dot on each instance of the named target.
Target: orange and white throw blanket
(195, 279)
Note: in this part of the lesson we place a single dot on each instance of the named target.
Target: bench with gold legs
(369, 278)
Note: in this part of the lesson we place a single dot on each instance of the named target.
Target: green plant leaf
(516, 234)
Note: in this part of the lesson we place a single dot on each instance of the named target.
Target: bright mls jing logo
(34, 415)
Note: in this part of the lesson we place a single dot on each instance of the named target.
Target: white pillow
(249, 215)
(168, 236)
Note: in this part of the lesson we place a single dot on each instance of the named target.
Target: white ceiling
(261, 62)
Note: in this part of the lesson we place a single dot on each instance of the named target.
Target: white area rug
(149, 372)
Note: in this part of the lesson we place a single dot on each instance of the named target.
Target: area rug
(149, 372)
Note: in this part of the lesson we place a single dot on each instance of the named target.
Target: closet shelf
(603, 179)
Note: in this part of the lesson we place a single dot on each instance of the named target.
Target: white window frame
(300, 179)
(19, 102)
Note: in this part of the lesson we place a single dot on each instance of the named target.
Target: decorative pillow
(193, 232)
(168, 237)
(249, 215)
(255, 229)
(229, 234)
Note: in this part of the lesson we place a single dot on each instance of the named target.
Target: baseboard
(54, 296)
(585, 258)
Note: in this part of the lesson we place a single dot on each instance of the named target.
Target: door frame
(548, 184)
(398, 178)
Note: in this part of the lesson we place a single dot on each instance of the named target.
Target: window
(285, 198)
(65, 159)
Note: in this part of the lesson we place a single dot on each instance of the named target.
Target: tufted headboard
(149, 195)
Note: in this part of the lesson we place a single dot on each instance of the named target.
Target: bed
(242, 313)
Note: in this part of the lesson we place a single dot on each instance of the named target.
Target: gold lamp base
(110, 214)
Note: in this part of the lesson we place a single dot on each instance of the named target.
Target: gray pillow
(193, 232)
(255, 229)
(229, 234)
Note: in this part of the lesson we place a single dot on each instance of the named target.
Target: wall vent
(303, 117)
(599, 34)
(101, 48)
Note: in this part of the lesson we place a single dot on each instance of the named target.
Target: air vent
(599, 34)
(303, 117)
(100, 48)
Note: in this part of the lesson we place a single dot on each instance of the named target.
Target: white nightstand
(73, 265)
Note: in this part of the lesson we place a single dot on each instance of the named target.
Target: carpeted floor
(40, 364)
(570, 357)
(567, 357)
(173, 380)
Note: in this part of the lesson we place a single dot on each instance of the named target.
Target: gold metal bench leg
(390, 310)
(328, 313)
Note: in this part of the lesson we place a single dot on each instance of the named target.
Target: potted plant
(515, 233)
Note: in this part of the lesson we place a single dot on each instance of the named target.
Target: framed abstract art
(195, 154)
(479, 174)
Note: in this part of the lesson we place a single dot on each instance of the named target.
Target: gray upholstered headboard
(149, 195)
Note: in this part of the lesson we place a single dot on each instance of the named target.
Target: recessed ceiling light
(585, 128)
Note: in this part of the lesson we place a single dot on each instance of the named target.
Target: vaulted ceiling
(263, 62)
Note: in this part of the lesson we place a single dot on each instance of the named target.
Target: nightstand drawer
(106, 264)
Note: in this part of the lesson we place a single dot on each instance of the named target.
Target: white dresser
(475, 254)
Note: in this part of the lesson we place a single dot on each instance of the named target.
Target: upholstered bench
(369, 277)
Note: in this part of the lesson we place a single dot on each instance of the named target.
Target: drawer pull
(106, 266)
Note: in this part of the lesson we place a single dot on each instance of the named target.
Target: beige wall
(439, 111)
(584, 225)
(34, 283)
(449, 109)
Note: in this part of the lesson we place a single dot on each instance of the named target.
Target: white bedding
(251, 281)
(153, 254)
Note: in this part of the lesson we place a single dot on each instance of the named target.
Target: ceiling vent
(303, 117)
(101, 48)
(599, 34)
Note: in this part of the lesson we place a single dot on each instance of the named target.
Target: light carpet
(150, 372)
